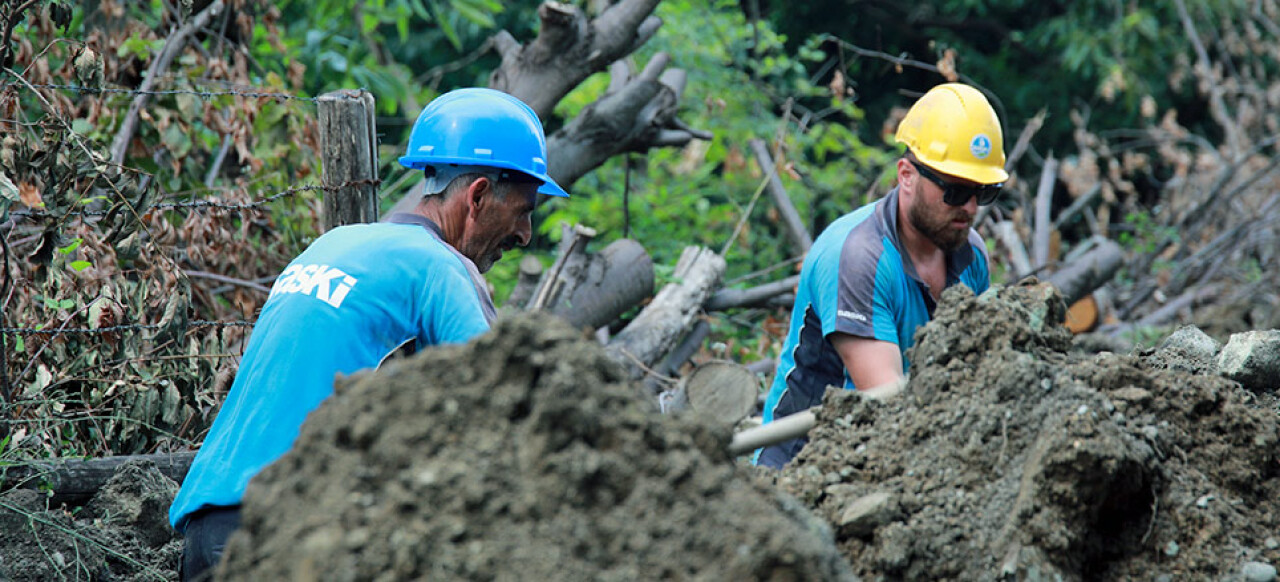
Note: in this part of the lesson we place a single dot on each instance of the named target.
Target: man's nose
(524, 231)
(971, 205)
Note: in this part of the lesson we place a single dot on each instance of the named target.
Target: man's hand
(871, 363)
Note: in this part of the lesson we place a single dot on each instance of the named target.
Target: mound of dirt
(122, 534)
(520, 456)
(1009, 456)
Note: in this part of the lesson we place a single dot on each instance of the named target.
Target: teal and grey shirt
(857, 279)
(354, 296)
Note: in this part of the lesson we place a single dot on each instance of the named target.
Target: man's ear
(479, 193)
(906, 173)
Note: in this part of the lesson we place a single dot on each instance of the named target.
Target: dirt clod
(122, 534)
(520, 456)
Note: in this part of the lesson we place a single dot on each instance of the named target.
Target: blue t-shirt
(857, 279)
(350, 299)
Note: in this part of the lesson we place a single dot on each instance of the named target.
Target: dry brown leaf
(30, 195)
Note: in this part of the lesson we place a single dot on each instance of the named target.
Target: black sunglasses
(959, 194)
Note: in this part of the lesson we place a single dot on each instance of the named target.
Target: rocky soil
(520, 456)
(1014, 453)
(1013, 456)
(122, 533)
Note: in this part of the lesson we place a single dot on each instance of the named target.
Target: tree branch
(172, 46)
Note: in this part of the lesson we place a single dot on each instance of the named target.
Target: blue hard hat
(481, 127)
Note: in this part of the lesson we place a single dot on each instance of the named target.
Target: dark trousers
(206, 538)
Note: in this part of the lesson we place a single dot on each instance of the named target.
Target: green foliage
(1096, 57)
(739, 90)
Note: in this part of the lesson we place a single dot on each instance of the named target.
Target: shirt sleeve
(451, 310)
(861, 306)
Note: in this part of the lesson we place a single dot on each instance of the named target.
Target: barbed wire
(118, 328)
(204, 94)
(206, 204)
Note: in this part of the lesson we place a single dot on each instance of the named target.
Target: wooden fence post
(349, 153)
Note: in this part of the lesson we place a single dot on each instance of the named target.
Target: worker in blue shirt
(362, 292)
(875, 275)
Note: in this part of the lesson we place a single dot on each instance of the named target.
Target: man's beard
(935, 225)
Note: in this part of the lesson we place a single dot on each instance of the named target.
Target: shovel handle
(778, 431)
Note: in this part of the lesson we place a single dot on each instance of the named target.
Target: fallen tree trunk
(1089, 271)
(657, 328)
(753, 297)
(592, 289)
(74, 481)
(605, 285)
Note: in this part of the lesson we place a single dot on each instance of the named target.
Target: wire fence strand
(118, 328)
(257, 94)
(205, 204)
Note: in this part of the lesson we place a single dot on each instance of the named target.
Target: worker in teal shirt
(875, 275)
(362, 292)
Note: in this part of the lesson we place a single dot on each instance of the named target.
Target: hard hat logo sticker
(980, 147)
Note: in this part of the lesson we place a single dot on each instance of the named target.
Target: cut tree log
(1044, 204)
(658, 327)
(1089, 270)
(573, 249)
(721, 390)
(74, 481)
(634, 115)
(597, 290)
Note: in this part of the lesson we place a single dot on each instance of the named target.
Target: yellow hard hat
(954, 130)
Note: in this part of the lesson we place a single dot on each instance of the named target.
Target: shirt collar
(887, 214)
(418, 219)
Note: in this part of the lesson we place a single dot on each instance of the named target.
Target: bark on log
(1089, 271)
(350, 158)
(573, 251)
(74, 481)
(660, 325)
(753, 297)
(526, 283)
(1007, 234)
(596, 290)
(1044, 204)
(639, 115)
(800, 239)
(569, 48)
(685, 349)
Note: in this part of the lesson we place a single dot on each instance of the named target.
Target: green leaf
(80, 265)
(81, 126)
(19, 345)
(177, 141)
(67, 303)
(477, 12)
(71, 248)
(445, 26)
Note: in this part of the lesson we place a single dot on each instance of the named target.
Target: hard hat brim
(549, 187)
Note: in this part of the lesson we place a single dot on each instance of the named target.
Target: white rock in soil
(1258, 572)
(1252, 358)
(1194, 343)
